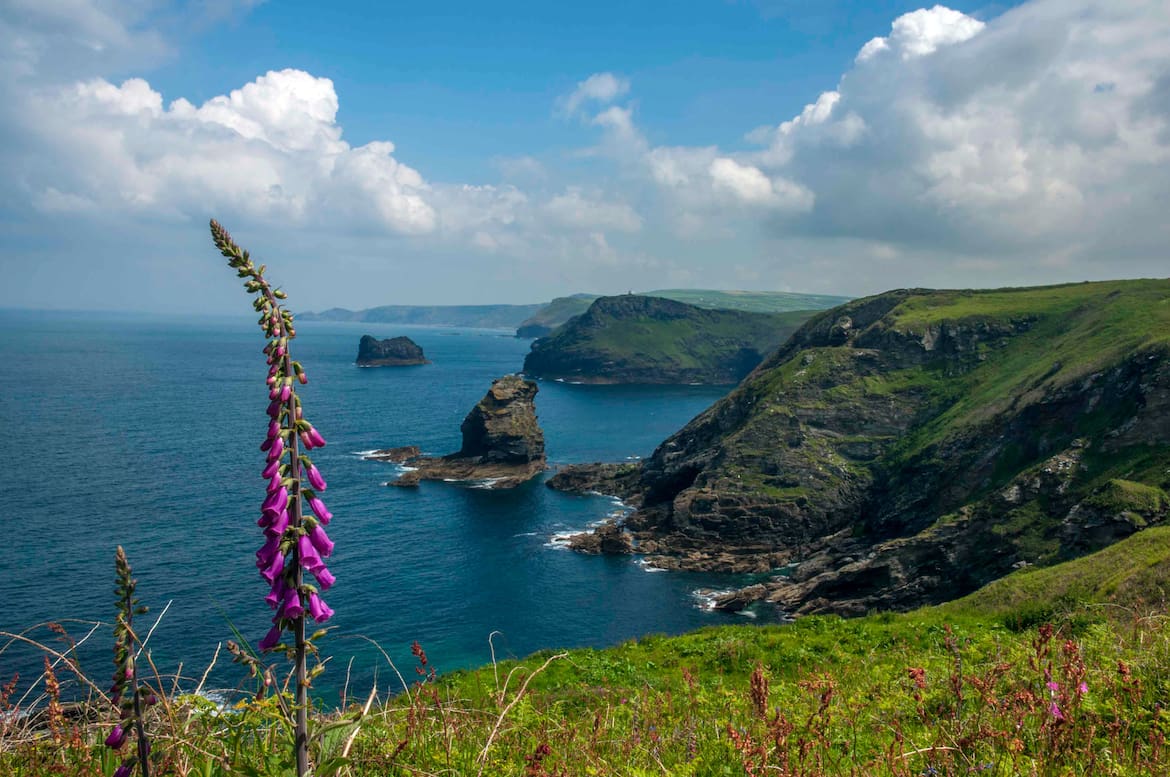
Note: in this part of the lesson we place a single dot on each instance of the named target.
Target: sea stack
(503, 445)
(394, 352)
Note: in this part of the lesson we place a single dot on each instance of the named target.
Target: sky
(459, 153)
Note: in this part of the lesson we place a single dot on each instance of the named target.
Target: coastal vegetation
(640, 339)
(561, 309)
(1060, 671)
(908, 448)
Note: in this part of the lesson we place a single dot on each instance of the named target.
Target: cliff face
(394, 352)
(909, 447)
(637, 339)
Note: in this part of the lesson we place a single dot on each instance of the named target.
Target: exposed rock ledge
(503, 445)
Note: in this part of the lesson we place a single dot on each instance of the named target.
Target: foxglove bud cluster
(295, 541)
(128, 694)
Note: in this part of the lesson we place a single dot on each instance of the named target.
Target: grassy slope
(846, 690)
(562, 309)
(966, 688)
(650, 340)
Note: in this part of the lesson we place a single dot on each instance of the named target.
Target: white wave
(647, 567)
(365, 454)
(705, 597)
(560, 540)
(525, 534)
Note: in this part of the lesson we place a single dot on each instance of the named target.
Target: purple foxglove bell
(310, 558)
(274, 484)
(273, 408)
(285, 392)
(292, 607)
(320, 611)
(274, 392)
(278, 524)
(319, 510)
(279, 589)
(125, 769)
(272, 469)
(271, 639)
(315, 478)
(266, 444)
(274, 429)
(117, 738)
(264, 555)
(321, 541)
(315, 436)
(273, 570)
(306, 441)
(324, 577)
(276, 450)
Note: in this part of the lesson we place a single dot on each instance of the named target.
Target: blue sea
(144, 432)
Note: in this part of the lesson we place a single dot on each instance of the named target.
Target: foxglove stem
(282, 518)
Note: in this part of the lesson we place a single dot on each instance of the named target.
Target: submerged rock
(393, 352)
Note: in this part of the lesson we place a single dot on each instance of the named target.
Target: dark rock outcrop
(393, 352)
(607, 538)
(395, 455)
(503, 445)
(908, 448)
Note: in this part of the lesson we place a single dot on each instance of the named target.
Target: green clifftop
(561, 309)
(636, 339)
(910, 447)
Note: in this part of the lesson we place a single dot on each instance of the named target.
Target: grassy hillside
(562, 309)
(910, 447)
(635, 339)
(988, 685)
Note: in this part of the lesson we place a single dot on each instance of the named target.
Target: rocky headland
(503, 445)
(653, 340)
(908, 448)
(393, 352)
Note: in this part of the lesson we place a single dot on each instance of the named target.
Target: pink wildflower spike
(319, 510)
(1055, 711)
(321, 541)
(320, 611)
(315, 436)
(315, 478)
(1053, 686)
(273, 468)
(1083, 687)
(271, 640)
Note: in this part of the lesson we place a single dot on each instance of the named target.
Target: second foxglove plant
(292, 515)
